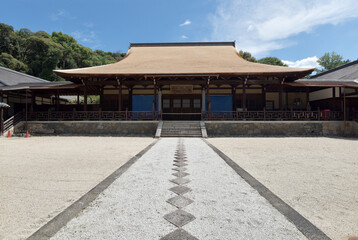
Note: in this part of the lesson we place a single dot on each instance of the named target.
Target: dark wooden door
(181, 107)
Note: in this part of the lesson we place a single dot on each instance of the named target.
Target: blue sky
(297, 31)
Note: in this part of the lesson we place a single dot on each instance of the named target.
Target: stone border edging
(54, 225)
(302, 224)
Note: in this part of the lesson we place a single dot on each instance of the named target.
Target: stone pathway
(180, 189)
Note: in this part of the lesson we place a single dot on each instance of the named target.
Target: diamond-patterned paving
(180, 201)
(179, 234)
(179, 217)
(180, 190)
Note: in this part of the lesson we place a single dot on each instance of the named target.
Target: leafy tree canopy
(272, 61)
(267, 60)
(39, 53)
(331, 60)
(247, 56)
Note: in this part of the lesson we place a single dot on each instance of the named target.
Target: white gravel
(42, 176)
(134, 205)
(225, 206)
(317, 176)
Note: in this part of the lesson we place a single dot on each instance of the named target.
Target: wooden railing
(273, 115)
(92, 116)
(213, 115)
(9, 123)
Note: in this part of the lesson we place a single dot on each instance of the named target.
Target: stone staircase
(181, 129)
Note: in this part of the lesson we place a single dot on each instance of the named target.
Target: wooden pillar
(286, 105)
(208, 107)
(85, 99)
(233, 93)
(78, 97)
(263, 93)
(341, 99)
(155, 98)
(101, 97)
(344, 104)
(308, 99)
(333, 98)
(1, 120)
(119, 97)
(203, 97)
(25, 109)
(130, 95)
(57, 100)
(280, 98)
(244, 96)
(33, 101)
(160, 100)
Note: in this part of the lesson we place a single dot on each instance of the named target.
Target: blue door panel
(221, 103)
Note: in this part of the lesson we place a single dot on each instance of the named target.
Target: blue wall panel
(143, 102)
(221, 103)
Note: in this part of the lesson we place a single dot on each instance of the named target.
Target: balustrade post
(318, 114)
(264, 114)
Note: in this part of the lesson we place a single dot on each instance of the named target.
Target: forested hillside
(38, 53)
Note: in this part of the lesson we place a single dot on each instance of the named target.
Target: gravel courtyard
(219, 204)
(318, 177)
(41, 176)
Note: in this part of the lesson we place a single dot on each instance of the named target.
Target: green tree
(7, 60)
(331, 60)
(272, 61)
(247, 56)
(6, 38)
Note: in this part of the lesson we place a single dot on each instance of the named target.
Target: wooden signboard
(181, 89)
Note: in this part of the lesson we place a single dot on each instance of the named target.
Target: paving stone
(180, 181)
(180, 164)
(179, 217)
(180, 174)
(179, 169)
(180, 189)
(179, 234)
(180, 201)
(180, 160)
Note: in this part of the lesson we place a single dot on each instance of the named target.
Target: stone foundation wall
(280, 128)
(115, 128)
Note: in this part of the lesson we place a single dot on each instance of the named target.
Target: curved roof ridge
(182, 44)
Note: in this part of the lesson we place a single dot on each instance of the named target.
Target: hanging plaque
(181, 89)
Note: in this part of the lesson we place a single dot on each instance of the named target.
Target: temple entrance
(181, 107)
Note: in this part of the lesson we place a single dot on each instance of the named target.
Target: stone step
(181, 129)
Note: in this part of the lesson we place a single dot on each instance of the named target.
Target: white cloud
(85, 37)
(187, 22)
(260, 26)
(60, 13)
(184, 37)
(310, 62)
